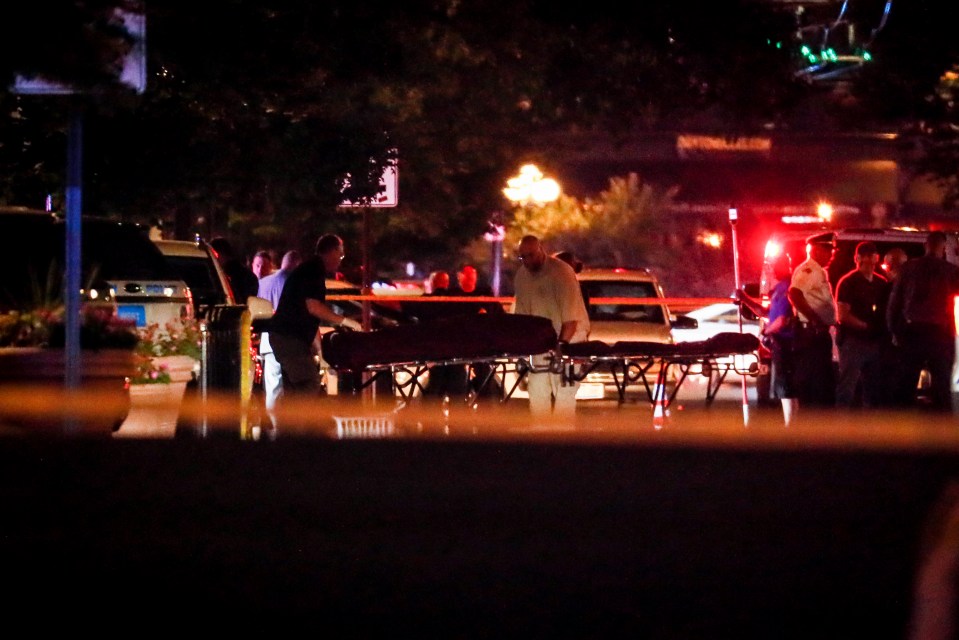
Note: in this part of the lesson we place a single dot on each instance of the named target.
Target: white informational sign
(389, 195)
(134, 74)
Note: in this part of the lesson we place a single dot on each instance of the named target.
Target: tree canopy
(256, 112)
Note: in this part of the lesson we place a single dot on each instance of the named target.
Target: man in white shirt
(811, 296)
(546, 286)
(270, 288)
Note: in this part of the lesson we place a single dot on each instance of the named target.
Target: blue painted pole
(71, 290)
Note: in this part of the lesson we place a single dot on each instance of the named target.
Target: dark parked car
(118, 260)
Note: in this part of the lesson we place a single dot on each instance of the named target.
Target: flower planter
(155, 407)
(34, 398)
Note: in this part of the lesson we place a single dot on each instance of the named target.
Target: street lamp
(529, 187)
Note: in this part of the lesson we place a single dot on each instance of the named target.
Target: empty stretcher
(511, 340)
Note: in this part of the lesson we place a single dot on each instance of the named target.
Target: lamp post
(495, 236)
(733, 219)
(530, 186)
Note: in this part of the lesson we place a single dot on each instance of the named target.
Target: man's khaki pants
(549, 399)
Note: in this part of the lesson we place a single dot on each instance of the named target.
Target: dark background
(463, 539)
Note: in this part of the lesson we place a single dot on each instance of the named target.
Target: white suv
(149, 302)
(619, 320)
(195, 263)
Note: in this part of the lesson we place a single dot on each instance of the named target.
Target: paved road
(700, 529)
(655, 535)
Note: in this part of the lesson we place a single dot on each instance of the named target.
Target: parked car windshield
(595, 289)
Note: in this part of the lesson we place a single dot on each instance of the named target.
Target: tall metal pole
(733, 219)
(497, 246)
(72, 365)
(367, 284)
(494, 236)
(367, 289)
(72, 258)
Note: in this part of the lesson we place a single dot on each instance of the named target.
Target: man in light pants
(546, 286)
(271, 286)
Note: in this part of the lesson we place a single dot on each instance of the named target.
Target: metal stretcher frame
(512, 341)
(630, 369)
(626, 370)
(408, 384)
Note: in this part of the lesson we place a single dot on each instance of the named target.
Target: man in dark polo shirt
(243, 281)
(861, 297)
(299, 313)
(921, 317)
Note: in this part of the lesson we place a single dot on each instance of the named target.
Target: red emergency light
(773, 249)
(824, 211)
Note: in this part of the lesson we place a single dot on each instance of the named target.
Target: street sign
(389, 195)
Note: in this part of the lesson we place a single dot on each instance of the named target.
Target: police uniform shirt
(813, 280)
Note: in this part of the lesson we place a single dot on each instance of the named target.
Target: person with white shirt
(811, 296)
(546, 286)
(270, 288)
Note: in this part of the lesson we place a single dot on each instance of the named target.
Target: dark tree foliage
(913, 83)
(255, 112)
(80, 43)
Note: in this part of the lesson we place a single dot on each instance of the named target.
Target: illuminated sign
(691, 145)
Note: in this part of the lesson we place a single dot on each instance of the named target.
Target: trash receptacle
(225, 369)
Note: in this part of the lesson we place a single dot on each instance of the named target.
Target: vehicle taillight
(955, 312)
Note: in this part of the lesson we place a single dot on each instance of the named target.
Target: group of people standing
(887, 329)
(451, 380)
(297, 294)
(545, 285)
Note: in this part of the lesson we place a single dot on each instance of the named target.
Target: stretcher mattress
(463, 338)
(722, 344)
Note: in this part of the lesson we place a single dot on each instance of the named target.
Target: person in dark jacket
(243, 281)
(480, 375)
(467, 286)
(299, 313)
(445, 380)
(921, 317)
(861, 297)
